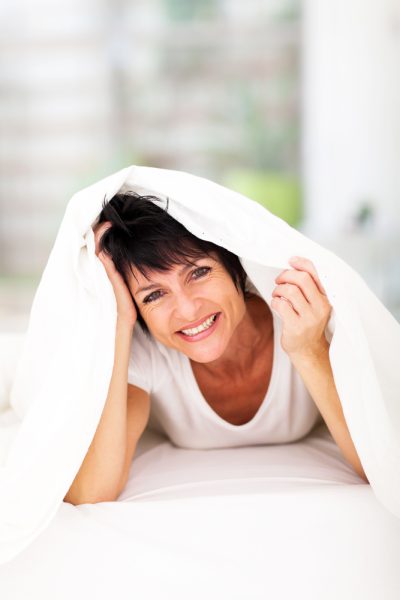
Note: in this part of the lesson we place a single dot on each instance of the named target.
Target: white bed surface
(160, 469)
(280, 522)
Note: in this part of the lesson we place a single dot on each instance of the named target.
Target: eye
(150, 297)
(201, 269)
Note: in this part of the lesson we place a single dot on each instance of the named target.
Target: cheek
(220, 288)
(156, 318)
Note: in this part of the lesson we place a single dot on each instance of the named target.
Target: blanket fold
(63, 373)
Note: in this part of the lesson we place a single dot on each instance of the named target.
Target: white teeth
(201, 327)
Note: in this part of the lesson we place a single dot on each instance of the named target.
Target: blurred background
(294, 103)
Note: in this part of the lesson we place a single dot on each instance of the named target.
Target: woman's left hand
(302, 303)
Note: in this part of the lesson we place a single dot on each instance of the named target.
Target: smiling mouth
(213, 316)
(203, 332)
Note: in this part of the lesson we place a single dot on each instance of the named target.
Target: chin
(204, 355)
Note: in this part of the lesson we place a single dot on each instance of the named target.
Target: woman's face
(185, 297)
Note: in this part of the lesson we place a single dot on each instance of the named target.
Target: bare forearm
(99, 477)
(316, 373)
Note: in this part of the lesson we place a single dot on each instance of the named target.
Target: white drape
(63, 374)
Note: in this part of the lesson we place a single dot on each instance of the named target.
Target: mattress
(276, 521)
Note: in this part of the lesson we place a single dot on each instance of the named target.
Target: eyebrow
(155, 285)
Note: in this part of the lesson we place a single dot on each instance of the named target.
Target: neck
(248, 341)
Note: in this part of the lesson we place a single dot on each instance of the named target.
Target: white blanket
(62, 379)
(277, 521)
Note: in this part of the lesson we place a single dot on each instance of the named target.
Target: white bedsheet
(46, 428)
(283, 522)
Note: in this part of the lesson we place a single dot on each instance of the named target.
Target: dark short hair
(144, 235)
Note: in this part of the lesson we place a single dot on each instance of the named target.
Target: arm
(303, 305)
(137, 418)
(98, 479)
(316, 373)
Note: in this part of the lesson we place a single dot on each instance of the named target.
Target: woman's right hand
(126, 309)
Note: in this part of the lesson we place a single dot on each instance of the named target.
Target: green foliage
(279, 193)
(189, 10)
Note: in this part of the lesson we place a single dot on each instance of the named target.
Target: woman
(210, 365)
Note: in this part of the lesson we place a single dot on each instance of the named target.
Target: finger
(292, 294)
(101, 227)
(99, 232)
(108, 262)
(304, 264)
(304, 281)
(285, 310)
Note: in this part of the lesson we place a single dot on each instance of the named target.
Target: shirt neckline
(210, 412)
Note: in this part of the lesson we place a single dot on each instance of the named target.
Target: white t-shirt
(179, 410)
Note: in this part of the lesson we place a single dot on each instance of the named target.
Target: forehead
(154, 274)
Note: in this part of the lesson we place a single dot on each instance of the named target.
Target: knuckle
(304, 276)
(290, 289)
(324, 312)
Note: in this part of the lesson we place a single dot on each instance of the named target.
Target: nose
(187, 309)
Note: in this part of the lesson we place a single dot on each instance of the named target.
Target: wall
(351, 112)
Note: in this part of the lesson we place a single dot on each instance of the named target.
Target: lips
(205, 333)
(196, 323)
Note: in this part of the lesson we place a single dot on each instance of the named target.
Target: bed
(270, 521)
(274, 521)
